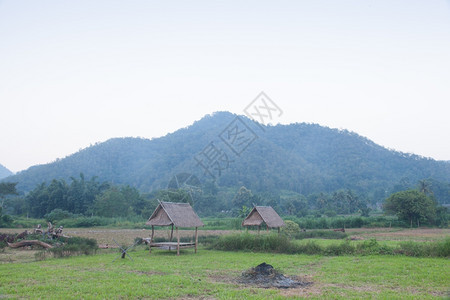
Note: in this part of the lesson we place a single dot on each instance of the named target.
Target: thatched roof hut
(263, 214)
(175, 215)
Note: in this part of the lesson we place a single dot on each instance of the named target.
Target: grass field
(212, 274)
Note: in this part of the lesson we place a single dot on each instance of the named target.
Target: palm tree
(425, 187)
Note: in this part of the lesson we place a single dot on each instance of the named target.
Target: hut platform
(171, 245)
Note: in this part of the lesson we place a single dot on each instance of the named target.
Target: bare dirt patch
(264, 275)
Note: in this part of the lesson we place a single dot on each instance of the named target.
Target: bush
(58, 214)
(70, 247)
(251, 242)
(372, 247)
(323, 234)
(430, 249)
(330, 213)
(85, 222)
(281, 244)
(6, 221)
(347, 222)
(339, 249)
(291, 229)
(310, 248)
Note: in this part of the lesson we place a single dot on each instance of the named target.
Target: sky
(74, 73)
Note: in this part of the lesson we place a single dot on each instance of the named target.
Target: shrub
(371, 247)
(323, 234)
(291, 229)
(339, 249)
(251, 242)
(281, 244)
(69, 247)
(58, 214)
(330, 213)
(430, 249)
(85, 222)
(443, 248)
(310, 248)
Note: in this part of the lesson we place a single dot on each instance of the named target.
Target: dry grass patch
(9, 255)
(401, 234)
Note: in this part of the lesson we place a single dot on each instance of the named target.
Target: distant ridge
(4, 172)
(304, 158)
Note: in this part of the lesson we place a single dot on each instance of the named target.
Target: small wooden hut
(175, 215)
(263, 214)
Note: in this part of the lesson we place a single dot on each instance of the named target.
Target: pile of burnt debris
(264, 275)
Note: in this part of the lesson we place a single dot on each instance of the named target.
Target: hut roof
(263, 214)
(178, 214)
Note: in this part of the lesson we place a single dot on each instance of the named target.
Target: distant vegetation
(309, 174)
(303, 159)
(88, 203)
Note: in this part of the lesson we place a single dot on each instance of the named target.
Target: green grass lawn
(212, 274)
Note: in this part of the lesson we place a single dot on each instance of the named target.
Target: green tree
(411, 206)
(5, 220)
(7, 188)
(244, 211)
(296, 205)
(112, 203)
(425, 187)
(243, 198)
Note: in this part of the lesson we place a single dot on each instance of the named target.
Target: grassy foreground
(212, 274)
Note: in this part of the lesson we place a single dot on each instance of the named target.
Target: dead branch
(25, 243)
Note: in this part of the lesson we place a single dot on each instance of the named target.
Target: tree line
(90, 197)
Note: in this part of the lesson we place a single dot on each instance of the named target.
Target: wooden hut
(175, 215)
(263, 214)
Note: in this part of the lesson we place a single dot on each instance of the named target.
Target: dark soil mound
(266, 276)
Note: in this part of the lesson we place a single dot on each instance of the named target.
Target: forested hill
(304, 158)
(4, 172)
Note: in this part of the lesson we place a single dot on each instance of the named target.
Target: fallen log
(25, 243)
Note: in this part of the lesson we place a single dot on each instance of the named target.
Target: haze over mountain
(4, 172)
(305, 158)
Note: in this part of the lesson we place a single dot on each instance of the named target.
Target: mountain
(305, 158)
(4, 172)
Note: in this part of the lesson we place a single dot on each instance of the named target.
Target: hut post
(267, 228)
(259, 228)
(151, 240)
(178, 241)
(171, 234)
(196, 239)
(278, 230)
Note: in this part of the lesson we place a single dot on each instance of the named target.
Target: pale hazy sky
(73, 73)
